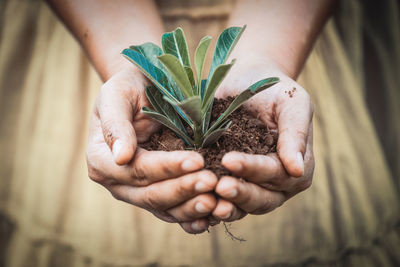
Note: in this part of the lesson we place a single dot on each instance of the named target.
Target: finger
(259, 169)
(153, 166)
(165, 194)
(304, 182)
(268, 170)
(196, 227)
(195, 208)
(248, 196)
(294, 116)
(147, 166)
(228, 212)
(164, 216)
(116, 112)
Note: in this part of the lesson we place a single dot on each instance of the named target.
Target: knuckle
(107, 127)
(184, 189)
(138, 175)
(151, 201)
(168, 169)
(279, 170)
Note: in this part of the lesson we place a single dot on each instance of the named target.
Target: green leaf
(203, 87)
(175, 43)
(216, 134)
(190, 76)
(213, 83)
(191, 107)
(241, 98)
(177, 72)
(199, 58)
(207, 116)
(151, 51)
(154, 74)
(161, 106)
(167, 123)
(225, 44)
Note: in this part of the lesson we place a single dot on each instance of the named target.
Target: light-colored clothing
(51, 214)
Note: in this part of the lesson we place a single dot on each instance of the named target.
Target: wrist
(106, 59)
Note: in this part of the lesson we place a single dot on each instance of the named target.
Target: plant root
(232, 236)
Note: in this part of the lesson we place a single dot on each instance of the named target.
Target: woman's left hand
(268, 180)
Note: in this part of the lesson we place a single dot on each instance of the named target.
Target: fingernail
(300, 161)
(233, 162)
(200, 187)
(195, 226)
(200, 208)
(227, 216)
(189, 165)
(116, 148)
(231, 194)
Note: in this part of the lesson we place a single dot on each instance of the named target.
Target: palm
(264, 103)
(273, 178)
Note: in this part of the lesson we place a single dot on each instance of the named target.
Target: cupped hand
(268, 180)
(171, 185)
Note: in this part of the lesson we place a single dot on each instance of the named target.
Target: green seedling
(178, 96)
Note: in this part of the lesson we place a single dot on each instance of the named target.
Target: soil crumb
(246, 134)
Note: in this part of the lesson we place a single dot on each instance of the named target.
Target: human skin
(285, 32)
(172, 185)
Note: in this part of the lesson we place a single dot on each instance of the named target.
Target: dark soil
(246, 134)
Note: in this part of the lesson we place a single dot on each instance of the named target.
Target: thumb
(291, 150)
(294, 121)
(115, 113)
(121, 138)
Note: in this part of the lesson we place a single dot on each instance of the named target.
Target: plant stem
(198, 136)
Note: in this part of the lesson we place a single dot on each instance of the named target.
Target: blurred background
(51, 214)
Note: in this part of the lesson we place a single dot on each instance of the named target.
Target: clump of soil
(246, 134)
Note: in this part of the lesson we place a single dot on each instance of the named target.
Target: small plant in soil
(184, 102)
(178, 96)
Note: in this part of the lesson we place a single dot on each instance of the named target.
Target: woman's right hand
(171, 185)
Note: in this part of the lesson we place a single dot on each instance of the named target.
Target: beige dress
(51, 214)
